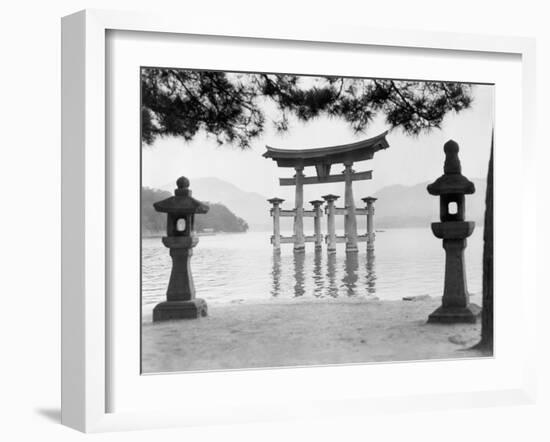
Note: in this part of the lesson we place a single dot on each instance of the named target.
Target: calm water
(233, 267)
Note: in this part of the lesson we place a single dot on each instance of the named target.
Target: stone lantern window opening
(453, 208)
(181, 225)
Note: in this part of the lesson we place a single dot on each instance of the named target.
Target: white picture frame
(86, 354)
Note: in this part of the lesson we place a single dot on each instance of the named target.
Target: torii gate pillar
(299, 240)
(350, 220)
(331, 228)
(276, 214)
(369, 201)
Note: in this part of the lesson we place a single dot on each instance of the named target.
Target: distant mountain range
(397, 205)
(250, 206)
(218, 219)
(413, 206)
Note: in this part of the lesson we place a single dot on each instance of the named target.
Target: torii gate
(323, 158)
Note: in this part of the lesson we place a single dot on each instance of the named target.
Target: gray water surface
(242, 267)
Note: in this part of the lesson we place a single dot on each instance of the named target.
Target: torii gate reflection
(340, 278)
(322, 159)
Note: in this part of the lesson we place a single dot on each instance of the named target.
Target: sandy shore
(317, 332)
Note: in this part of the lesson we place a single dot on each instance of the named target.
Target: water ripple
(232, 267)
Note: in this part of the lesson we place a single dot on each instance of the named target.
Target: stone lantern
(180, 239)
(451, 188)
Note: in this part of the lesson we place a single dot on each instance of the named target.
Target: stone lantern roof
(452, 181)
(182, 202)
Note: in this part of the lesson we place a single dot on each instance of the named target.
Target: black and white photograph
(303, 220)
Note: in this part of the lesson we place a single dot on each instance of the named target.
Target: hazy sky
(407, 161)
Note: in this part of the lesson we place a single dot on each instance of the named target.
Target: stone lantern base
(168, 310)
(453, 315)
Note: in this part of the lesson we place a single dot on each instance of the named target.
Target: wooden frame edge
(83, 223)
